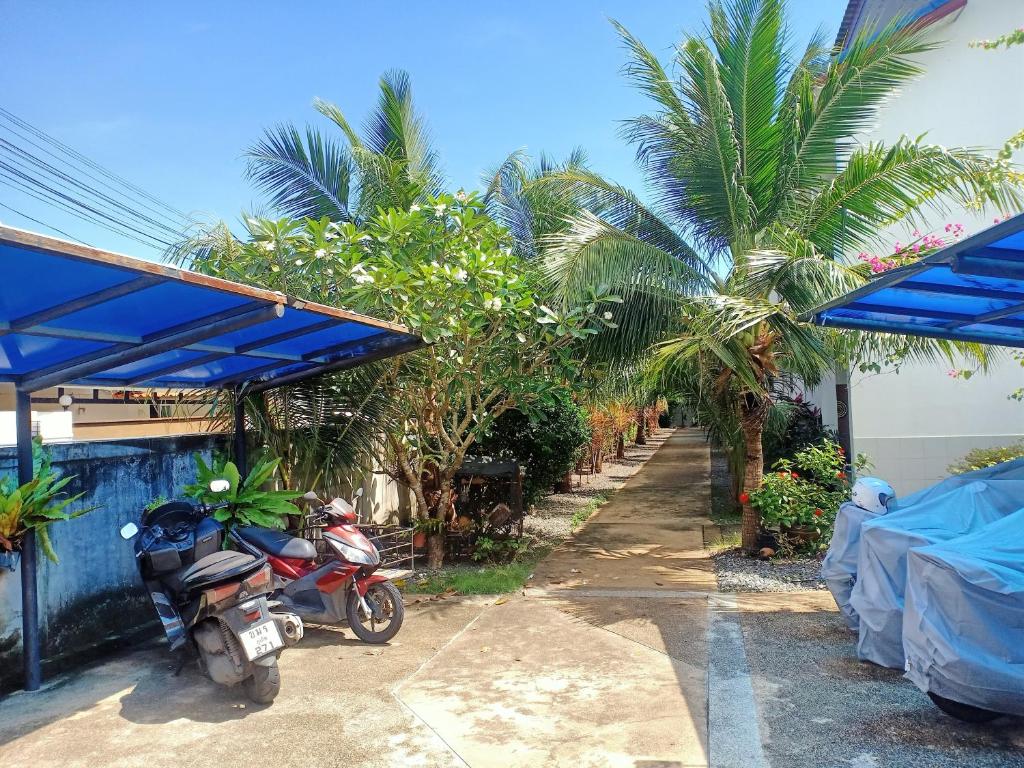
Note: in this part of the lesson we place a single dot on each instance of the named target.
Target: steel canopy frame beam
(26, 322)
(205, 328)
(985, 266)
(30, 640)
(879, 326)
(956, 319)
(390, 350)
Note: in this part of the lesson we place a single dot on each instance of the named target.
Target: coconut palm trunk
(753, 415)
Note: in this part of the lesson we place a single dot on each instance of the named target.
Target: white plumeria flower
(360, 279)
(608, 315)
(461, 275)
(461, 196)
(440, 208)
(494, 304)
(413, 208)
(320, 253)
(268, 246)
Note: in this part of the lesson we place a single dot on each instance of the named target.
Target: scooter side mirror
(129, 530)
(219, 486)
(310, 496)
(358, 493)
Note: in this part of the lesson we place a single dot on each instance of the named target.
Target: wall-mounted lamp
(65, 401)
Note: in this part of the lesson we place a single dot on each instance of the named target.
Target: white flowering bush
(445, 270)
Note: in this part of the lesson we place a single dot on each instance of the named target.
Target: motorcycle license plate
(260, 640)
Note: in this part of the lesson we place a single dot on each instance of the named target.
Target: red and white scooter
(329, 579)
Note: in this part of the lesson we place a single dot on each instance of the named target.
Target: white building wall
(915, 423)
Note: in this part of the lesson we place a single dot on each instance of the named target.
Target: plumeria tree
(447, 271)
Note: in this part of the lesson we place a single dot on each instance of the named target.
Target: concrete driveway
(621, 653)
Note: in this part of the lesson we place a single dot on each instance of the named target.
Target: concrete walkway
(604, 661)
(601, 663)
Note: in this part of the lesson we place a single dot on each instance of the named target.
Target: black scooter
(212, 600)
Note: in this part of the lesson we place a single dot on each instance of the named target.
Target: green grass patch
(497, 579)
(580, 516)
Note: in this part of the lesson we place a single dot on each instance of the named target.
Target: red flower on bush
(818, 513)
(841, 475)
(782, 474)
(796, 476)
(744, 497)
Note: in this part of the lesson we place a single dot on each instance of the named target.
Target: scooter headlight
(353, 554)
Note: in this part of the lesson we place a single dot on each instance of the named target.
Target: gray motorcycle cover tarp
(964, 626)
(877, 595)
(839, 568)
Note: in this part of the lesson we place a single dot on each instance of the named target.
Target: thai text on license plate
(260, 640)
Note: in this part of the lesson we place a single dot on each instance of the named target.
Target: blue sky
(169, 95)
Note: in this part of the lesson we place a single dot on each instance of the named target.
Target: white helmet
(872, 494)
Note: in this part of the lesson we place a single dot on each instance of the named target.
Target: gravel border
(738, 573)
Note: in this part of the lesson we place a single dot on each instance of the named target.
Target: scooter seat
(277, 543)
(220, 566)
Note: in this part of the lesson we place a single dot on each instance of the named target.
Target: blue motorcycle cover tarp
(839, 568)
(1009, 476)
(964, 623)
(878, 593)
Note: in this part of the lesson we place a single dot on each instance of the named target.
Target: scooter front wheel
(264, 684)
(962, 711)
(386, 613)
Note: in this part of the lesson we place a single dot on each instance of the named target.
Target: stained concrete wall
(94, 595)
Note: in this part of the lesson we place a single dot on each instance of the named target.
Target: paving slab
(335, 708)
(557, 683)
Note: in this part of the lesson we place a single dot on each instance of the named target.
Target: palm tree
(392, 163)
(758, 181)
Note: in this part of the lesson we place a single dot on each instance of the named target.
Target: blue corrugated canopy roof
(972, 290)
(70, 314)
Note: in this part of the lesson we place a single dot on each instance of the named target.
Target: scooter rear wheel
(264, 684)
(962, 711)
(384, 596)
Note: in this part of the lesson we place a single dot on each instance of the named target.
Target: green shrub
(980, 458)
(794, 425)
(499, 550)
(805, 491)
(545, 442)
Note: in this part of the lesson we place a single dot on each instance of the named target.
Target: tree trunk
(565, 484)
(753, 415)
(620, 447)
(435, 550)
(435, 543)
(641, 426)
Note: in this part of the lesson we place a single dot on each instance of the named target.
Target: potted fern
(33, 506)
(248, 502)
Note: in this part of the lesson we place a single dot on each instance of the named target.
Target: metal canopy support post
(240, 457)
(30, 643)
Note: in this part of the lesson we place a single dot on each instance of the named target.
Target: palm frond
(869, 70)
(750, 40)
(880, 185)
(303, 177)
